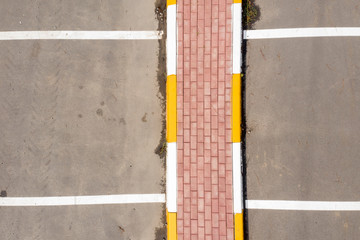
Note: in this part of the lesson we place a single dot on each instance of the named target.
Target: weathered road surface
(302, 113)
(79, 118)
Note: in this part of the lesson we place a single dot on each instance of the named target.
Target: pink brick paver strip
(204, 74)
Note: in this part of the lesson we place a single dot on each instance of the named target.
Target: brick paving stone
(205, 209)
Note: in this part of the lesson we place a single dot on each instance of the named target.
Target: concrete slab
(308, 13)
(17, 15)
(140, 221)
(303, 119)
(79, 118)
(300, 225)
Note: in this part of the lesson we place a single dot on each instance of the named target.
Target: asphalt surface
(302, 113)
(80, 118)
(292, 13)
(132, 221)
(106, 15)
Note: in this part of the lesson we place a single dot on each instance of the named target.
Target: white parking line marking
(302, 205)
(171, 177)
(236, 29)
(237, 178)
(82, 200)
(171, 41)
(302, 32)
(81, 35)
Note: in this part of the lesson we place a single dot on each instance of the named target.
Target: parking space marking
(80, 35)
(302, 32)
(303, 205)
(82, 200)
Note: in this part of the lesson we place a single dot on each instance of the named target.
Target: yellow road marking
(170, 2)
(171, 225)
(171, 108)
(239, 226)
(236, 108)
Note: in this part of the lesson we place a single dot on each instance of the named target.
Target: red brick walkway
(204, 120)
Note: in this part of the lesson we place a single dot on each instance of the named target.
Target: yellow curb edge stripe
(236, 120)
(171, 121)
(170, 2)
(171, 108)
(171, 225)
(236, 108)
(239, 226)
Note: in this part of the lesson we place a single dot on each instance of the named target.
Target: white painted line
(82, 200)
(237, 178)
(302, 32)
(171, 177)
(236, 30)
(302, 205)
(171, 41)
(80, 35)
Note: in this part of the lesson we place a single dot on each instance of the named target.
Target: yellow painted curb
(237, 1)
(171, 109)
(170, 2)
(239, 226)
(236, 108)
(171, 225)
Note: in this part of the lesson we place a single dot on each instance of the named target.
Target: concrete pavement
(302, 122)
(74, 115)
